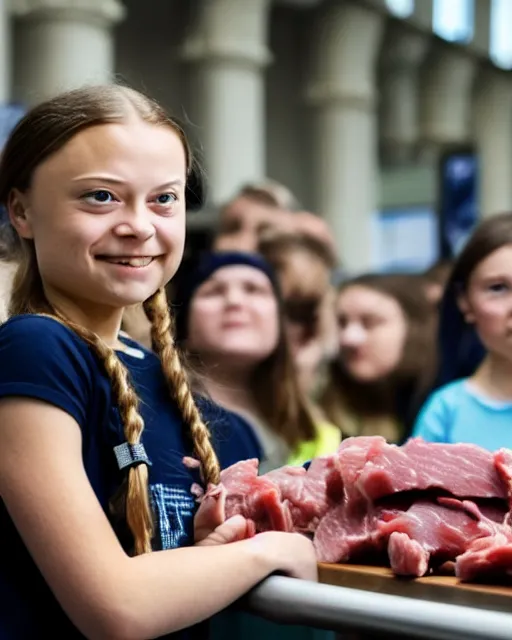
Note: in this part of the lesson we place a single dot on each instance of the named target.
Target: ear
(19, 213)
(465, 308)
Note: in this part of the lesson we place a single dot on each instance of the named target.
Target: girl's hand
(290, 553)
(235, 529)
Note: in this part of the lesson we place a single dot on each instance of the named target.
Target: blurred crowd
(276, 330)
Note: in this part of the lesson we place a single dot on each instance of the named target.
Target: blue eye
(100, 196)
(166, 198)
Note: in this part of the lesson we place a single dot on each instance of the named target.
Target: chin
(364, 377)
(130, 298)
(240, 357)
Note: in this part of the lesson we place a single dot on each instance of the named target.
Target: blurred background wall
(392, 119)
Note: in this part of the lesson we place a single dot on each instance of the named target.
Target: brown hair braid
(137, 509)
(157, 311)
(42, 132)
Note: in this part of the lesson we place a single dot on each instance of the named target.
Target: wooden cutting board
(439, 588)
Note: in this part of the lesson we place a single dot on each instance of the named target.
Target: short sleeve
(44, 360)
(434, 419)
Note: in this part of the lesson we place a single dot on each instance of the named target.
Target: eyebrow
(176, 182)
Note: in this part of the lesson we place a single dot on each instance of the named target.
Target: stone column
(493, 133)
(423, 14)
(482, 35)
(64, 44)
(402, 56)
(446, 97)
(228, 48)
(5, 52)
(342, 92)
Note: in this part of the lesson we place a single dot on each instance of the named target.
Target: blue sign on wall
(458, 200)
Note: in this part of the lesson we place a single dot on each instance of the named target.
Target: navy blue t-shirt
(40, 358)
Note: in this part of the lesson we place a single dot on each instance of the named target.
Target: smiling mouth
(127, 261)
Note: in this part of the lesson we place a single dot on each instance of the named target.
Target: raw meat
(442, 527)
(343, 536)
(442, 530)
(309, 494)
(415, 507)
(371, 470)
(489, 557)
(503, 462)
(407, 556)
(257, 498)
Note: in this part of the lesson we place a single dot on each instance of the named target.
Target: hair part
(41, 133)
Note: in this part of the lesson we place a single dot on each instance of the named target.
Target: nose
(136, 223)
(233, 296)
(352, 335)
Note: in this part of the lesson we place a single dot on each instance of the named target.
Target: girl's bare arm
(106, 593)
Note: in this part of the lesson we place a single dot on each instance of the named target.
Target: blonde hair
(43, 131)
(269, 192)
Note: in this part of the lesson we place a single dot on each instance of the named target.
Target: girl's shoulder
(38, 340)
(42, 358)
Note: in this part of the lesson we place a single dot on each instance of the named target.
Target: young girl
(478, 407)
(231, 322)
(96, 512)
(386, 359)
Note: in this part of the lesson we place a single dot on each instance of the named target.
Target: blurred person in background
(474, 403)
(264, 207)
(304, 265)
(386, 356)
(230, 323)
(436, 278)
(8, 263)
(253, 210)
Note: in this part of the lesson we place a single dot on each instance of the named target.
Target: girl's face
(106, 214)
(488, 301)
(372, 333)
(234, 314)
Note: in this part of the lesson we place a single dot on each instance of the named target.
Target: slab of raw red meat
(371, 469)
(255, 497)
(286, 499)
(503, 463)
(487, 558)
(343, 536)
(309, 494)
(438, 529)
(430, 531)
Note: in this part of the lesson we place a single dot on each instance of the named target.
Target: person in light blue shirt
(477, 408)
(459, 412)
